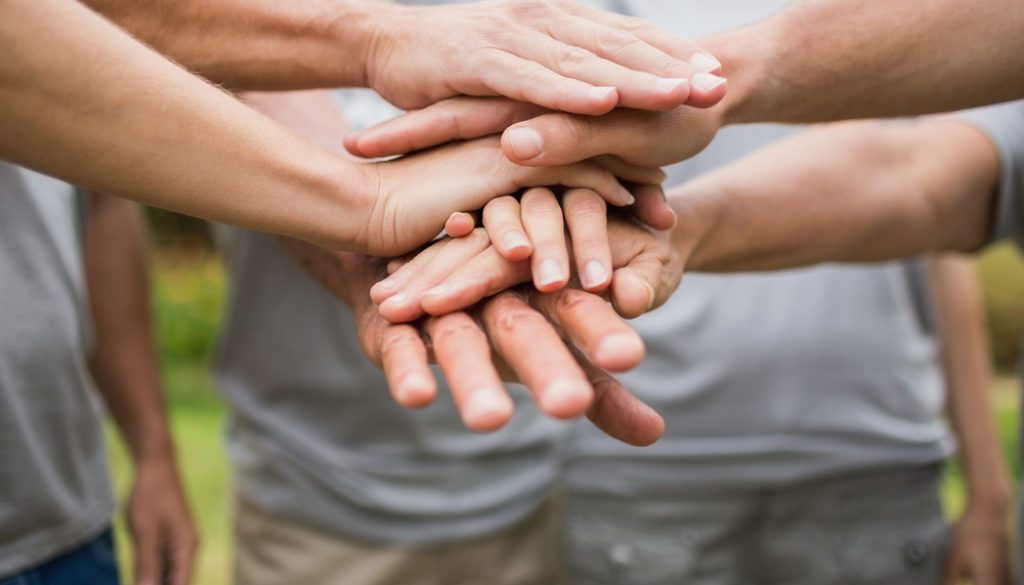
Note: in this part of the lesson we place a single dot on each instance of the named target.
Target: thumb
(556, 139)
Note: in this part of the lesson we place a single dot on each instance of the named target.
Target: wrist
(347, 191)
(355, 26)
(374, 25)
(747, 56)
(697, 216)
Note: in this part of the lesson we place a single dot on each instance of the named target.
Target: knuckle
(510, 319)
(571, 301)
(585, 204)
(394, 341)
(573, 58)
(451, 326)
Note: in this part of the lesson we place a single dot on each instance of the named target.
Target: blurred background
(189, 289)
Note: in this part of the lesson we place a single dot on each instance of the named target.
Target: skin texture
(552, 53)
(893, 191)
(124, 365)
(980, 546)
(515, 336)
(805, 65)
(260, 174)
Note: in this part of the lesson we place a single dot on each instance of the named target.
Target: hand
(533, 136)
(415, 195)
(980, 550)
(553, 53)
(526, 331)
(160, 524)
(647, 267)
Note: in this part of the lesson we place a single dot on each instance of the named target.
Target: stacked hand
(466, 301)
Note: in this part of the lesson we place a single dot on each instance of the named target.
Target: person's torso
(53, 476)
(773, 377)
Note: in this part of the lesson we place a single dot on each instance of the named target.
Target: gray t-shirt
(1004, 124)
(316, 437)
(767, 379)
(54, 489)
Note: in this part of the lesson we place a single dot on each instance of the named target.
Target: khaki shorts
(870, 529)
(274, 551)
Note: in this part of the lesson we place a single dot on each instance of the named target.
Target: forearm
(855, 192)
(957, 300)
(124, 362)
(256, 44)
(837, 59)
(94, 107)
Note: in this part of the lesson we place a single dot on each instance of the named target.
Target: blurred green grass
(189, 295)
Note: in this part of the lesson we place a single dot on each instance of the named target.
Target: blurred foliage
(189, 289)
(1002, 274)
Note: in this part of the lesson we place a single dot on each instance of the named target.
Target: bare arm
(99, 109)
(549, 52)
(849, 192)
(980, 545)
(840, 59)
(124, 365)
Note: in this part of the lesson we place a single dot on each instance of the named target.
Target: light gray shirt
(54, 488)
(768, 379)
(316, 437)
(1004, 124)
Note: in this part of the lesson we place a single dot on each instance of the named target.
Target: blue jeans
(93, 563)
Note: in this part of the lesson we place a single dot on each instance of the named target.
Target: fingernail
(626, 196)
(614, 348)
(549, 272)
(706, 81)
(515, 239)
(594, 274)
(566, 398)
(439, 290)
(396, 301)
(601, 93)
(485, 409)
(526, 143)
(704, 62)
(387, 284)
(669, 85)
(413, 390)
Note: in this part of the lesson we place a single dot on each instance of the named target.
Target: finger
(629, 172)
(538, 356)
(463, 352)
(459, 224)
(542, 219)
(636, 89)
(652, 208)
(148, 557)
(394, 265)
(405, 305)
(620, 414)
(632, 294)
(554, 139)
(182, 555)
(462, 118)
(528, 81)
(405, 272)
(593, 326)
(587, 217)
(699, 61)
(486, 275)
(505, 229)
(403, 357)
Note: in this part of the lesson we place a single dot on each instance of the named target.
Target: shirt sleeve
(1004, 124)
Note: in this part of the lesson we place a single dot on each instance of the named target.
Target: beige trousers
(273, 551)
